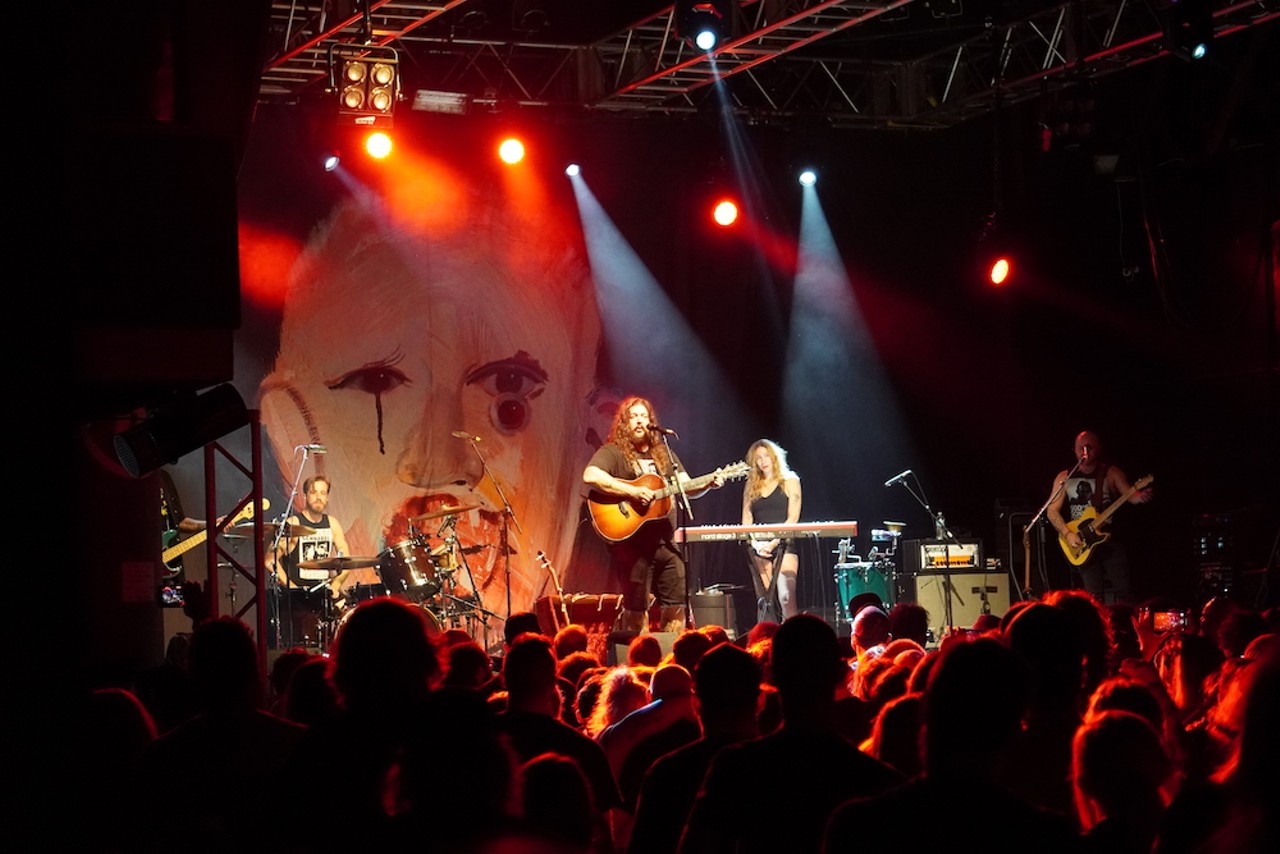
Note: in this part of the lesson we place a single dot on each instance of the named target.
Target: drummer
(324, 539)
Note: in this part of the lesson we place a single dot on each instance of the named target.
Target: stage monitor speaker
(969, 591)
(620, 643)
(713, 608)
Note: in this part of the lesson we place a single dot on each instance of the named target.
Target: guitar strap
(1099, 499)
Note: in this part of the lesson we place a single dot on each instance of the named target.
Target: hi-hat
(445, 511)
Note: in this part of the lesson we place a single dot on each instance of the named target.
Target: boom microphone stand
(941, 532)
(508, 513)
(682, 506)
(1026, 533)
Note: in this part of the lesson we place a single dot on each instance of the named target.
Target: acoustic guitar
(1091, 520)
(616, 517)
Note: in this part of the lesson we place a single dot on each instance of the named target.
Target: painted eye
(372, 379)
(512, 384)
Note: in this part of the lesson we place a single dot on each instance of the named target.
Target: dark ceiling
(851, 63)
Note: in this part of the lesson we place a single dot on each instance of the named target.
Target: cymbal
(339, 564)
(445, 511)
(245, 529)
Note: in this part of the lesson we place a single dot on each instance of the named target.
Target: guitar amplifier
(942, 556)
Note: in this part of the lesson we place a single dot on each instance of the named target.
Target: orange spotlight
(511, 150)
(725, 212)
(377, 144)
(1001, 269)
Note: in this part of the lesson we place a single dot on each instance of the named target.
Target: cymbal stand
(453, 612)
(508, 513)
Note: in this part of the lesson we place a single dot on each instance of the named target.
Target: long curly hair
(620, 436)
(756, 482)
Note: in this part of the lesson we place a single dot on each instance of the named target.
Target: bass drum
(407, 571)
(434, 627)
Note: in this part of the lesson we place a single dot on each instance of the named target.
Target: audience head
(1092, 630)
(1119, 770)
(1045, 636)
(974, 707)
(895, 735)
(519, 623)
(383, 655)
(806, 662)
(309, 697)
(556, 802)
(715, 634)
(910, 621)
(689, 647)
(644, 650)
(727, 684)
(223, 660)
(467, 666)
(870, 628)
(572, 638)
(669, 681)
(575, 665)
(529, 671)
(621, 693)
(762, 630)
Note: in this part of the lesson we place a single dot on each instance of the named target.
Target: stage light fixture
(366, 80)
(1188, 27)
(725, 213)
(511, 150)
(808, 178)
(573, 170)
(377, 144)
(331, 161)
(1000, 271)
(179, 427)
(705, 24)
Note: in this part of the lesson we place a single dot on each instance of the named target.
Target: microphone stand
(1026, 532)
(508, 512)
(681, 505)
(941, 532)
(281, 525)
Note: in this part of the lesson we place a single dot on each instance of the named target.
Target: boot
(672, 618)
(633, 621)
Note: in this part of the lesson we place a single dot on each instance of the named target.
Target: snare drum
(855, 578)
(407, 571)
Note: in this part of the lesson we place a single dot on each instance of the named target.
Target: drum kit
(413, 570)
(876, 574)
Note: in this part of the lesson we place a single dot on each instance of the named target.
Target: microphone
(315, 449)
(665, 431)
(898, 478)
(1088, 451)
(463, 434)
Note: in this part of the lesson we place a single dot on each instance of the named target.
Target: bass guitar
(616, 517)
(1091, 520)
(172, 552)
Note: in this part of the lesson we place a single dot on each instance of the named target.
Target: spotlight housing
(1188, 27)
(573, 170)
(511, 150)
(808, 178)
(705, 24)
(331, 161)
(366, 80)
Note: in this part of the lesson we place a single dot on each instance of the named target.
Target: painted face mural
(392, 340)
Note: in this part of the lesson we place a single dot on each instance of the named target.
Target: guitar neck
(1120, 502)
(692, 485)
(181, 548)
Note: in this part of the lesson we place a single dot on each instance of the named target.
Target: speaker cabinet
(713, 608)
(969, 592)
